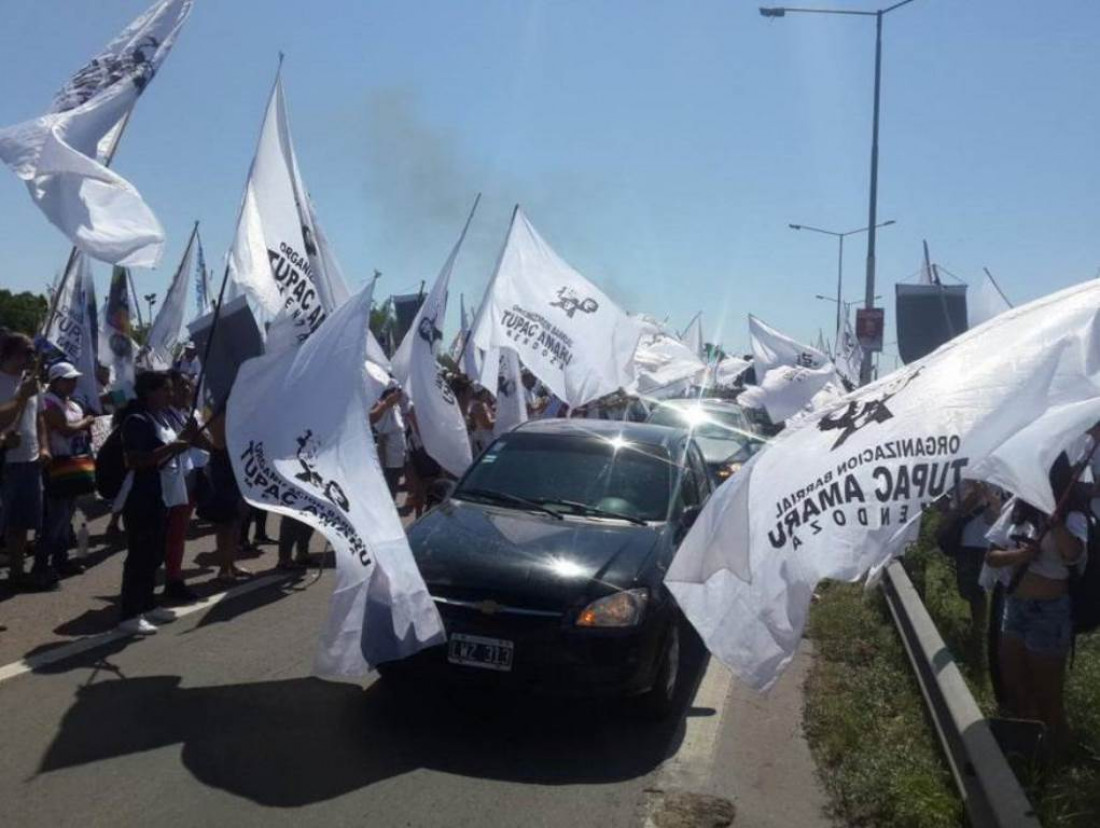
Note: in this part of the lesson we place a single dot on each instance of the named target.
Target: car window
(700, 473)
(614, 475)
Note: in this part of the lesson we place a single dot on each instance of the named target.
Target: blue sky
(662, 148)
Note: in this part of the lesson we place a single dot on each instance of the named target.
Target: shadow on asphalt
(299, 741)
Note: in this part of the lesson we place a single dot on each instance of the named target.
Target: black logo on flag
(570, 302)
(105, 71)
(307, 452)
(427, 331)
(861, 413)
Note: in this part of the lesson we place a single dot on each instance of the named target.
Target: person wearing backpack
(1035, 556)
(152, 449)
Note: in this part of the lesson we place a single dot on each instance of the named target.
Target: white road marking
(91, 642)
(693, 763)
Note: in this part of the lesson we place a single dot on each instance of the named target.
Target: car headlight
(623, 609)
(729, 470)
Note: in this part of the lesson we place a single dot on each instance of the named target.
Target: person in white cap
(70, 472)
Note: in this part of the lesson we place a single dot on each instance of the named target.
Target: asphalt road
(217, 718)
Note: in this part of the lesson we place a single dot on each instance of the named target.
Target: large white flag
(786, 390)
(72, 329)
(300, 442)
(511, 402)
(165, 331)
(275, 260)
(62, 155)
(565, 329)
(441, 424)
(841, 494)
(770, 349)
(664, 365)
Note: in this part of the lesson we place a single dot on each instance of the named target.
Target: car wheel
(660, 700)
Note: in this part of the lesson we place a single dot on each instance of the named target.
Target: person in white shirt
(388, 421)
(23, 451)
(1034, 554)
(68, 430)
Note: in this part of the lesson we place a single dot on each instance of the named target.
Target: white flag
(438, 417)
(786, 390)
(565, 329)
(664, 365)
(72, 329)
(841, 495)
(116, 344)
(511, 403)
(693, 336)
(62, 155)
(985, 302)
(300, 442)
(770, 349)
(274, 259)
(165, 331)
(729, 369)
(849, 354)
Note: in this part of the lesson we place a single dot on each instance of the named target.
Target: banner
(164, 332)
(63, 155)
(511, 403)
(71, 330)
(566, 330)
(116, 343)
(440, 422)
(842, 494)
(274, 259)
(298, 434)
(770, 349)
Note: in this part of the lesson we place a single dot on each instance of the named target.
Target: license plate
(477, 651)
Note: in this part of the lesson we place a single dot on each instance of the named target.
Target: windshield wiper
(504, 497)
(595, 511)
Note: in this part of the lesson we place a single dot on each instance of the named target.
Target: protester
(293, 538)
(24, 453)
(535, 395)
(70, 473)
(188, 362)
(1032, 555)
(152, 451)
(389, 423)
(258, 518)
(176, 416)
(223, 506)
(422, 470)
(965, 542)
(481, 421)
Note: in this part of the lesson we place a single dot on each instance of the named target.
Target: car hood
(468, 551)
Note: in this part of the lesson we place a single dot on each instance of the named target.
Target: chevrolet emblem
(489, 607)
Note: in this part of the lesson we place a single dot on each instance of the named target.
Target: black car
(547, 561)
(722, 429)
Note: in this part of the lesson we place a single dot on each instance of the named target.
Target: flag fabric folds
(116, 344)
(511, 403)
(164, 332)
(63, 155)
(316, 462)
(841, 494)
(440, 422)
(275, 259)
(693, 336)
(770, 349)
(564, 329)
(786, 390)
(72, 329)
(664, 365)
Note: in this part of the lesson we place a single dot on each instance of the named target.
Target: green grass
(865, 719)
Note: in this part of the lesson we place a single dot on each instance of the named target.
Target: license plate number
(478, 651)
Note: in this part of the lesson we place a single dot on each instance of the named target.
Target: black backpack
(110, 466)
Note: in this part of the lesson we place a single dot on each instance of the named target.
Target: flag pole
(489, 288)
(994, 281)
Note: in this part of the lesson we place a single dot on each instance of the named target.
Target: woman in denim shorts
(1037, 628)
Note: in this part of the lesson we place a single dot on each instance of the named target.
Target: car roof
(710, 403)
(657, 435)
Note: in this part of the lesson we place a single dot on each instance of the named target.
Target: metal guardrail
(990, 791)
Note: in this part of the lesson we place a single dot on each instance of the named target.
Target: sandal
(241, 572)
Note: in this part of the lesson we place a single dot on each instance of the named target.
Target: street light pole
(840, 258)
(782, 11)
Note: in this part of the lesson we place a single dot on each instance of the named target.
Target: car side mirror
(690, 515)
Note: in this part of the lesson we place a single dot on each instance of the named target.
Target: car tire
(659, 701)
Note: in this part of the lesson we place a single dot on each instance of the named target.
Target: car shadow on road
(294, 742)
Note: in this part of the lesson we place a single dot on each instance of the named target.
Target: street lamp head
(795, 226)
(888, 223)
(774, 11)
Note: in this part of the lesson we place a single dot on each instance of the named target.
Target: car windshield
(720, 433)
(568, 473)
